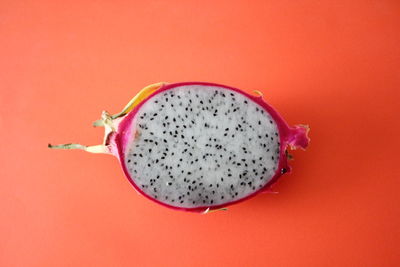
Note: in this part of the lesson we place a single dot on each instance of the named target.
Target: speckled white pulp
(196, 145)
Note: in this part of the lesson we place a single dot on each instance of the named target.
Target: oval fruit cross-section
(199, 145)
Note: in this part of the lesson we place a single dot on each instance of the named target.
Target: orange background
(334, 65)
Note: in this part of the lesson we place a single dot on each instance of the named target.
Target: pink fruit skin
(295, 137)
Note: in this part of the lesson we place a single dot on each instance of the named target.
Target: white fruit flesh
(197, 146)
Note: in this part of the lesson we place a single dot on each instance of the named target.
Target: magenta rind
(295, 137)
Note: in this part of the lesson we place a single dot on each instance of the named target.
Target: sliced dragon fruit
(198, 146)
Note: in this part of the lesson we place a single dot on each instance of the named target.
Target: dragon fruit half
(198, 146)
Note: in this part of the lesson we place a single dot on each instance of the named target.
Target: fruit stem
(145, 92)
(102, 149)
(105, 148)
(258, 93)
(208, 210)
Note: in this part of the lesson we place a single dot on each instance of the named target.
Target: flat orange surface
(334, 65)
